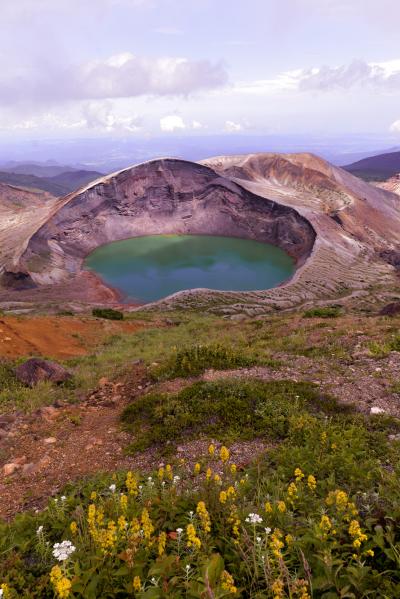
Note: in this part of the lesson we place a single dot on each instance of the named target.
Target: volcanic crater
(334, 225)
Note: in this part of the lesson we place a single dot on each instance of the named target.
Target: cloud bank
(120, 76)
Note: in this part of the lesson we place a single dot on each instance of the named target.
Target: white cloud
(395, 127)
(232, 127)
(122, 75)
(377, 75)
(102, 116)
(197, 125)
(172, 122)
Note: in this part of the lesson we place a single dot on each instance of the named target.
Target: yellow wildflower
(282, 506)
(292, 492)
(204, 516)
(234, 520)
(137, 584)
(147, 525)
(135, 527)
(276, 543)
(228, 583)
(62, 586)
(370, 552)
(73, 527)
(192, 538)
(277, 589)
(168, 471)
(211, 450)
(93, 496)
(231, 492)
(208, 474)
(100, 516)
(357, 534)
(91, 518)
(6, 590)
(233, 469)
(298, 474)
(311, 482)
(197, 469)
(224, 454)
(325, 524)
(217, 478)
(161, 472)
(242, 481)
(123, 501)
(268, 507)
(131, 484)
(162, 541)
(122, 523)
(300, 589)
(223, 497)
(289, 539)
(323, 438)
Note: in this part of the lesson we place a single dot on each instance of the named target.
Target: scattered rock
(376, 410)
(10, 468)
(28, 468)
(50, 440)
(35, 370)
(49, 413)
(103, 381)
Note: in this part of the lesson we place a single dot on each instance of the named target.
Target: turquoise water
(149, 268)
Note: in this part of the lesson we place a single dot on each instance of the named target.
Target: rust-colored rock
(35, 370)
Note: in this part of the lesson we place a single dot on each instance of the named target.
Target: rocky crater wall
(159, 197)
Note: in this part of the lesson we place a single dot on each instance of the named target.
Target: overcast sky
(160, 67)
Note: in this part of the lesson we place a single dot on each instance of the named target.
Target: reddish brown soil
(56, 337)
(56, 446)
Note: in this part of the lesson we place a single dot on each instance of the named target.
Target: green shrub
(195, 360)
(226, 410)
(323, 312)
(107, 313)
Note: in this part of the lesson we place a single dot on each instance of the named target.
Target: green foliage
(107, 313)
(323, 312)
(225, 409)
(327, 502)
(195, 360)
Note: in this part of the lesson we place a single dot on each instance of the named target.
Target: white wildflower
(254, 519)
(179, 531)
(62, 551)
(112, 488)
(39, 530)
(267, 530)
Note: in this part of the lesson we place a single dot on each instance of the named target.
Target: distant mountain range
(58, 181)
(376, 168)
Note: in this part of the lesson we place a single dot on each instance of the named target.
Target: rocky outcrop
(36, 370)
(335, 226)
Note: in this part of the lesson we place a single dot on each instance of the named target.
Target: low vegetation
(108, 313)
(327, 312)
(317, 516)
(227, 410)
(195, 360)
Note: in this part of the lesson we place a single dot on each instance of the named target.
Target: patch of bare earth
(56, 445)
(57, 337)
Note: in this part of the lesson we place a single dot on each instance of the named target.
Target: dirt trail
(56, 337)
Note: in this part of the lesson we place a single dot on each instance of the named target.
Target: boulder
(390, 309)
(35, 370)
